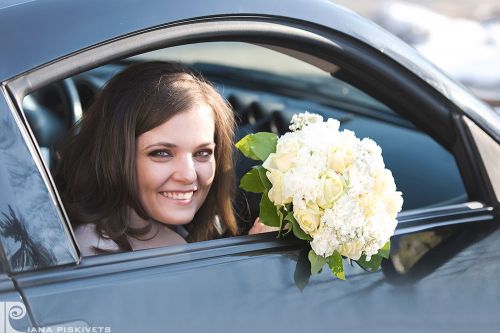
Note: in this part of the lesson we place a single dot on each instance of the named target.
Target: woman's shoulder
(89, 240)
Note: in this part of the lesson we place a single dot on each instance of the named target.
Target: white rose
(332, 188)
(352, 249)
(340, 159)
(308, 218)
(279, 161)
(276, 192)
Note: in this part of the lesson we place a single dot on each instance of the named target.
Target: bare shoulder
(88, 240)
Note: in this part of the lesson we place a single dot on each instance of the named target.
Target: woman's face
(176, 165)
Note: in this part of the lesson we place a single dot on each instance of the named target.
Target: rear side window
(32, 234)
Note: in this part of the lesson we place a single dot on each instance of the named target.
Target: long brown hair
(97, 177)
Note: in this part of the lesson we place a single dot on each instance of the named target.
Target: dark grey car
(270, 60)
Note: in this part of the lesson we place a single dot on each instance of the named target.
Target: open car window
(266, 88)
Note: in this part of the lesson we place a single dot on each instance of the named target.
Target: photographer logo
(11, 317)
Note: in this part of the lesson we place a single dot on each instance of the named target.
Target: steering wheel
(51, 112)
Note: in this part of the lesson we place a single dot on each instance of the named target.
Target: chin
(175, 220)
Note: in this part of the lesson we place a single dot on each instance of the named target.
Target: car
(442, 38)
(270, 60)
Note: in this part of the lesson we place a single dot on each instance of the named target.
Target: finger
(256, 228)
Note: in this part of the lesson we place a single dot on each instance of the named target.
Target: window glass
(31, 232)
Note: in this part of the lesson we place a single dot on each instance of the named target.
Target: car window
(265, 89)
(31, 233)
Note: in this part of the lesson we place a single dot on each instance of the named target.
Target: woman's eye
(160, 153)
(204, 154)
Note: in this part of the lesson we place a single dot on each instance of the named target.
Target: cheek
(206, 173)
(149, 176)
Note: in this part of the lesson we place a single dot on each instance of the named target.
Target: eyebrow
(171, 145)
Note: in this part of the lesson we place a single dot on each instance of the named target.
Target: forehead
(193, 126)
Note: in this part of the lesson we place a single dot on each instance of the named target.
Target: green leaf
(297, 230)
(336, 265)
(280, 217)
(385, 250)
(251, 182)
(284, 230)
(263, 144)
(268, 212)
(258, 146)
(302, 270)
(263, 177)
(244, 145)
(317, 262)
(372, 265)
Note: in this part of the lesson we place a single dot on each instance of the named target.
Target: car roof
(39, 31)
(9, 3)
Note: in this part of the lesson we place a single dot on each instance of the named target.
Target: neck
(137, 222)
(159, 235)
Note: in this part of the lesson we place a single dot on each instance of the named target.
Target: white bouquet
(328, 187)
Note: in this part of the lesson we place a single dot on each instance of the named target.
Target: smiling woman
(175, 165)
(154, 161)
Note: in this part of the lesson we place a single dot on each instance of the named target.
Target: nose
(185, 171)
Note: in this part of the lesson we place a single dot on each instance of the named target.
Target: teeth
(178, 195)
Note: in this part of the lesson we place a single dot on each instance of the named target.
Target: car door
(261, 283)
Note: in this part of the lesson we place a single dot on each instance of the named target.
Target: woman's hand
(258, 228)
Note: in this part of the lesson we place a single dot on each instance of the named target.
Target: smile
(178, 195)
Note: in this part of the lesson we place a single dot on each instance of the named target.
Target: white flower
(277, 193)
(308, 217)
(332, 188)
(322, 244)
(341, 192)
(303, 119)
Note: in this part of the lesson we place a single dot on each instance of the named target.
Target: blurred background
(461, 37)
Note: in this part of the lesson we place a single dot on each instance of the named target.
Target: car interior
(266, 86)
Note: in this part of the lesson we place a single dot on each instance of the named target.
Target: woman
(150, 164)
